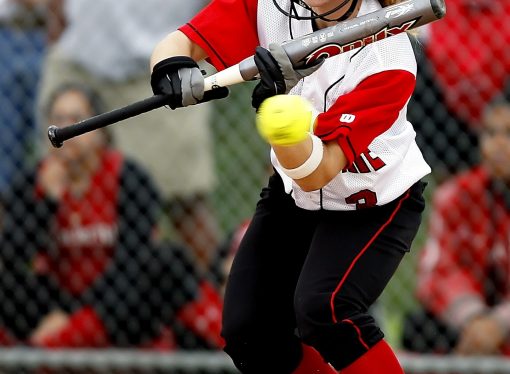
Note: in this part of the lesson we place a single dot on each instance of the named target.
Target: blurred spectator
(225, 255)
(107, 44)
(463, 62)
(22, 42)
(81, 262)
(464, 277)
(468, 52)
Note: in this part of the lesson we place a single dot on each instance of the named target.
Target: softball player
(345, 201)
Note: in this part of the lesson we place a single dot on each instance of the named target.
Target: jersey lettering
(362, 199)
(359, 166)
(373, 160)
(366, 162)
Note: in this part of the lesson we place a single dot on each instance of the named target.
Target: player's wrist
(168, 66)
(311, 163)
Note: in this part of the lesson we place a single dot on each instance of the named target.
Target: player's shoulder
(394, 47)
(391, 42)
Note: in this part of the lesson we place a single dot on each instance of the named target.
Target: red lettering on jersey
(361, 165)
(350, 169)
(363, 199)
(375, 161)
(363, 161)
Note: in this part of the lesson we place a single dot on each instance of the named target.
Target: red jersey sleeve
(226, 30)
(357, 117)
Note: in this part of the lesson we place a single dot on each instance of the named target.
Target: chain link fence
(118, 245)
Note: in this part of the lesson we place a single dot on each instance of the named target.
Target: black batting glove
(181, 80)
(277, 74)
(272, 81)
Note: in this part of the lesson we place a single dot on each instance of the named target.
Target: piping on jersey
(324, 109)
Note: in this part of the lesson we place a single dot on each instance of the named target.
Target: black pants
(311, 276)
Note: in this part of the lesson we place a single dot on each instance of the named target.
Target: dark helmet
(292, 13)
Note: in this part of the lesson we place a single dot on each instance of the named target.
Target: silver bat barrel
(355, 33)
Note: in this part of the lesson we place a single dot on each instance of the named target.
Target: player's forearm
(333, 161)
(176, 44)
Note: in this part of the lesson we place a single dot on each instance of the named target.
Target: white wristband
(312, 163)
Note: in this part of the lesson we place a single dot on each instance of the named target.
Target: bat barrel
(360, 31)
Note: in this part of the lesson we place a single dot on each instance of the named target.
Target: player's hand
(180, 78)
(277, 75)
(481, 336)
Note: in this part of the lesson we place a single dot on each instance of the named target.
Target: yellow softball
(284, 119)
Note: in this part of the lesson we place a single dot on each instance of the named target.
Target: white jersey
(396, 148)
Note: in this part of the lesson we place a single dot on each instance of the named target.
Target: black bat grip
(58, 135)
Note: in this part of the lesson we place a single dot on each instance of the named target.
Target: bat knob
(53, 136)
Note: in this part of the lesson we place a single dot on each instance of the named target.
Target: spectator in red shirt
(463, 64)
(464, 277)
(81, 263)
(468, 52)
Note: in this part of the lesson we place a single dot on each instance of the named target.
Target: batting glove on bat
(277, 75)
(182, 81)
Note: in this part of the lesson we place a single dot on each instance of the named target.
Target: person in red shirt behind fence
(82, 265)
(464, 269)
